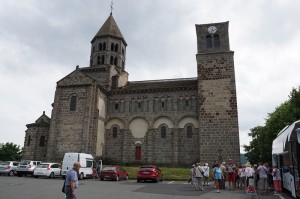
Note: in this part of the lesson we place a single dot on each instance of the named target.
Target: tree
(10, 151)
(260, 148)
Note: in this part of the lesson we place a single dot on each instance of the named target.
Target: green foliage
(260, 148)
(10, 152)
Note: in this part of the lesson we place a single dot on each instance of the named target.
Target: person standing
(231, 175)
(71, 183)
(263, 178)
(224, 176)
(276, 179)
(249, 173)
(217, 175)
(193, 176)
(205, 169)
(199, 177)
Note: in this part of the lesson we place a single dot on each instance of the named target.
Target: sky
(43, 41)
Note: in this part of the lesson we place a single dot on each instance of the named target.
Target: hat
(206, 164)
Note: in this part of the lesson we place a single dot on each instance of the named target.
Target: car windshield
(147, 168)
(4, 163)
(25, 162)
(42, 166)
(109, 169)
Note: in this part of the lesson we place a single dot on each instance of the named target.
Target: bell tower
(218, 116)
(109, 46)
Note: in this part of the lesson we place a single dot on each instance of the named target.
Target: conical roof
(110, 28)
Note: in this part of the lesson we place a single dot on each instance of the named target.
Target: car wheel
(11, 173)
(162, 178)
(35, 176)
(81, 176)
(117, 178)
(156, 180)
(138, 180)
(19, 175)
(101, 179)
(51, 175)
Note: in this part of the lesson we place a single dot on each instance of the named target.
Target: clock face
(212, 29)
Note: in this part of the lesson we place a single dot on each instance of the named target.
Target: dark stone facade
(97, 110)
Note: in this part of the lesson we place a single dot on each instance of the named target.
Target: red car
(149, 172)
(113, 172)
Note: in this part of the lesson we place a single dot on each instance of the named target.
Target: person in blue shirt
(217, 175)
(71, 183)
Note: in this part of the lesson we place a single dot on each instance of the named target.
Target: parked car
(27, 167)
(9, 168)
(113, 172)
(149, 172)
(50, 170)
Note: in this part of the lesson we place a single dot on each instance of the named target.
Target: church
(97, 110)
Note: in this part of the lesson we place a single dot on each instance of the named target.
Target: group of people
(264, 177)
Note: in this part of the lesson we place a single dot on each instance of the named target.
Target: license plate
(145, 172)
(39, 172)
(107, 176)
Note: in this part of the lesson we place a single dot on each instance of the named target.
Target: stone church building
(97, 110)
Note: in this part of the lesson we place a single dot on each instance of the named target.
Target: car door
(55, 169)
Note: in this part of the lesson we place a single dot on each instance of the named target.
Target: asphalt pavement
(36, 188)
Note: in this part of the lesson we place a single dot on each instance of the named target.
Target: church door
(138, 153)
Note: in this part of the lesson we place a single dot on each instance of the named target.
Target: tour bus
(87, 162)
(286, 155)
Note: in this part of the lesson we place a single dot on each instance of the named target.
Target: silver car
(27, 167)
(50, 170)
(9, 168)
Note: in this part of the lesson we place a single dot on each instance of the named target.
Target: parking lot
(36, 188)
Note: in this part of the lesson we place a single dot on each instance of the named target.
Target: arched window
(123, 64)
(111, 60)
(98, 59)
(123, 51)
(104, 46)
(116, 47)
(216, 41)
(163, 132)
(115, 132)
(116, 61)
(208, 41)
(28, 140)
(73, 103)
(189, 131)
(100, 46)
(112, 47)
(114, 83)
(102, 60)
(42, 140)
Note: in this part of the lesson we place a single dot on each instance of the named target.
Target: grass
(170, 173)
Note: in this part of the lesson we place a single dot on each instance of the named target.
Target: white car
(50, 170)
(9, 168)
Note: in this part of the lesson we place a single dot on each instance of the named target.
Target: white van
(86, 161)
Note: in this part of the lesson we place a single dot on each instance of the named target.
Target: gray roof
(110, 28)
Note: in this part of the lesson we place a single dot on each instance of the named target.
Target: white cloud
(42, 41)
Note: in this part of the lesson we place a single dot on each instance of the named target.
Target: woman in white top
(249, 172)
(205, 170)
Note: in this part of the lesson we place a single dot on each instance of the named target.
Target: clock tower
(218, 116)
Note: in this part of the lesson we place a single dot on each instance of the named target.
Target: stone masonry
(97, 110)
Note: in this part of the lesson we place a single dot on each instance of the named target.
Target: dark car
(149, 172)
(113, 172)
